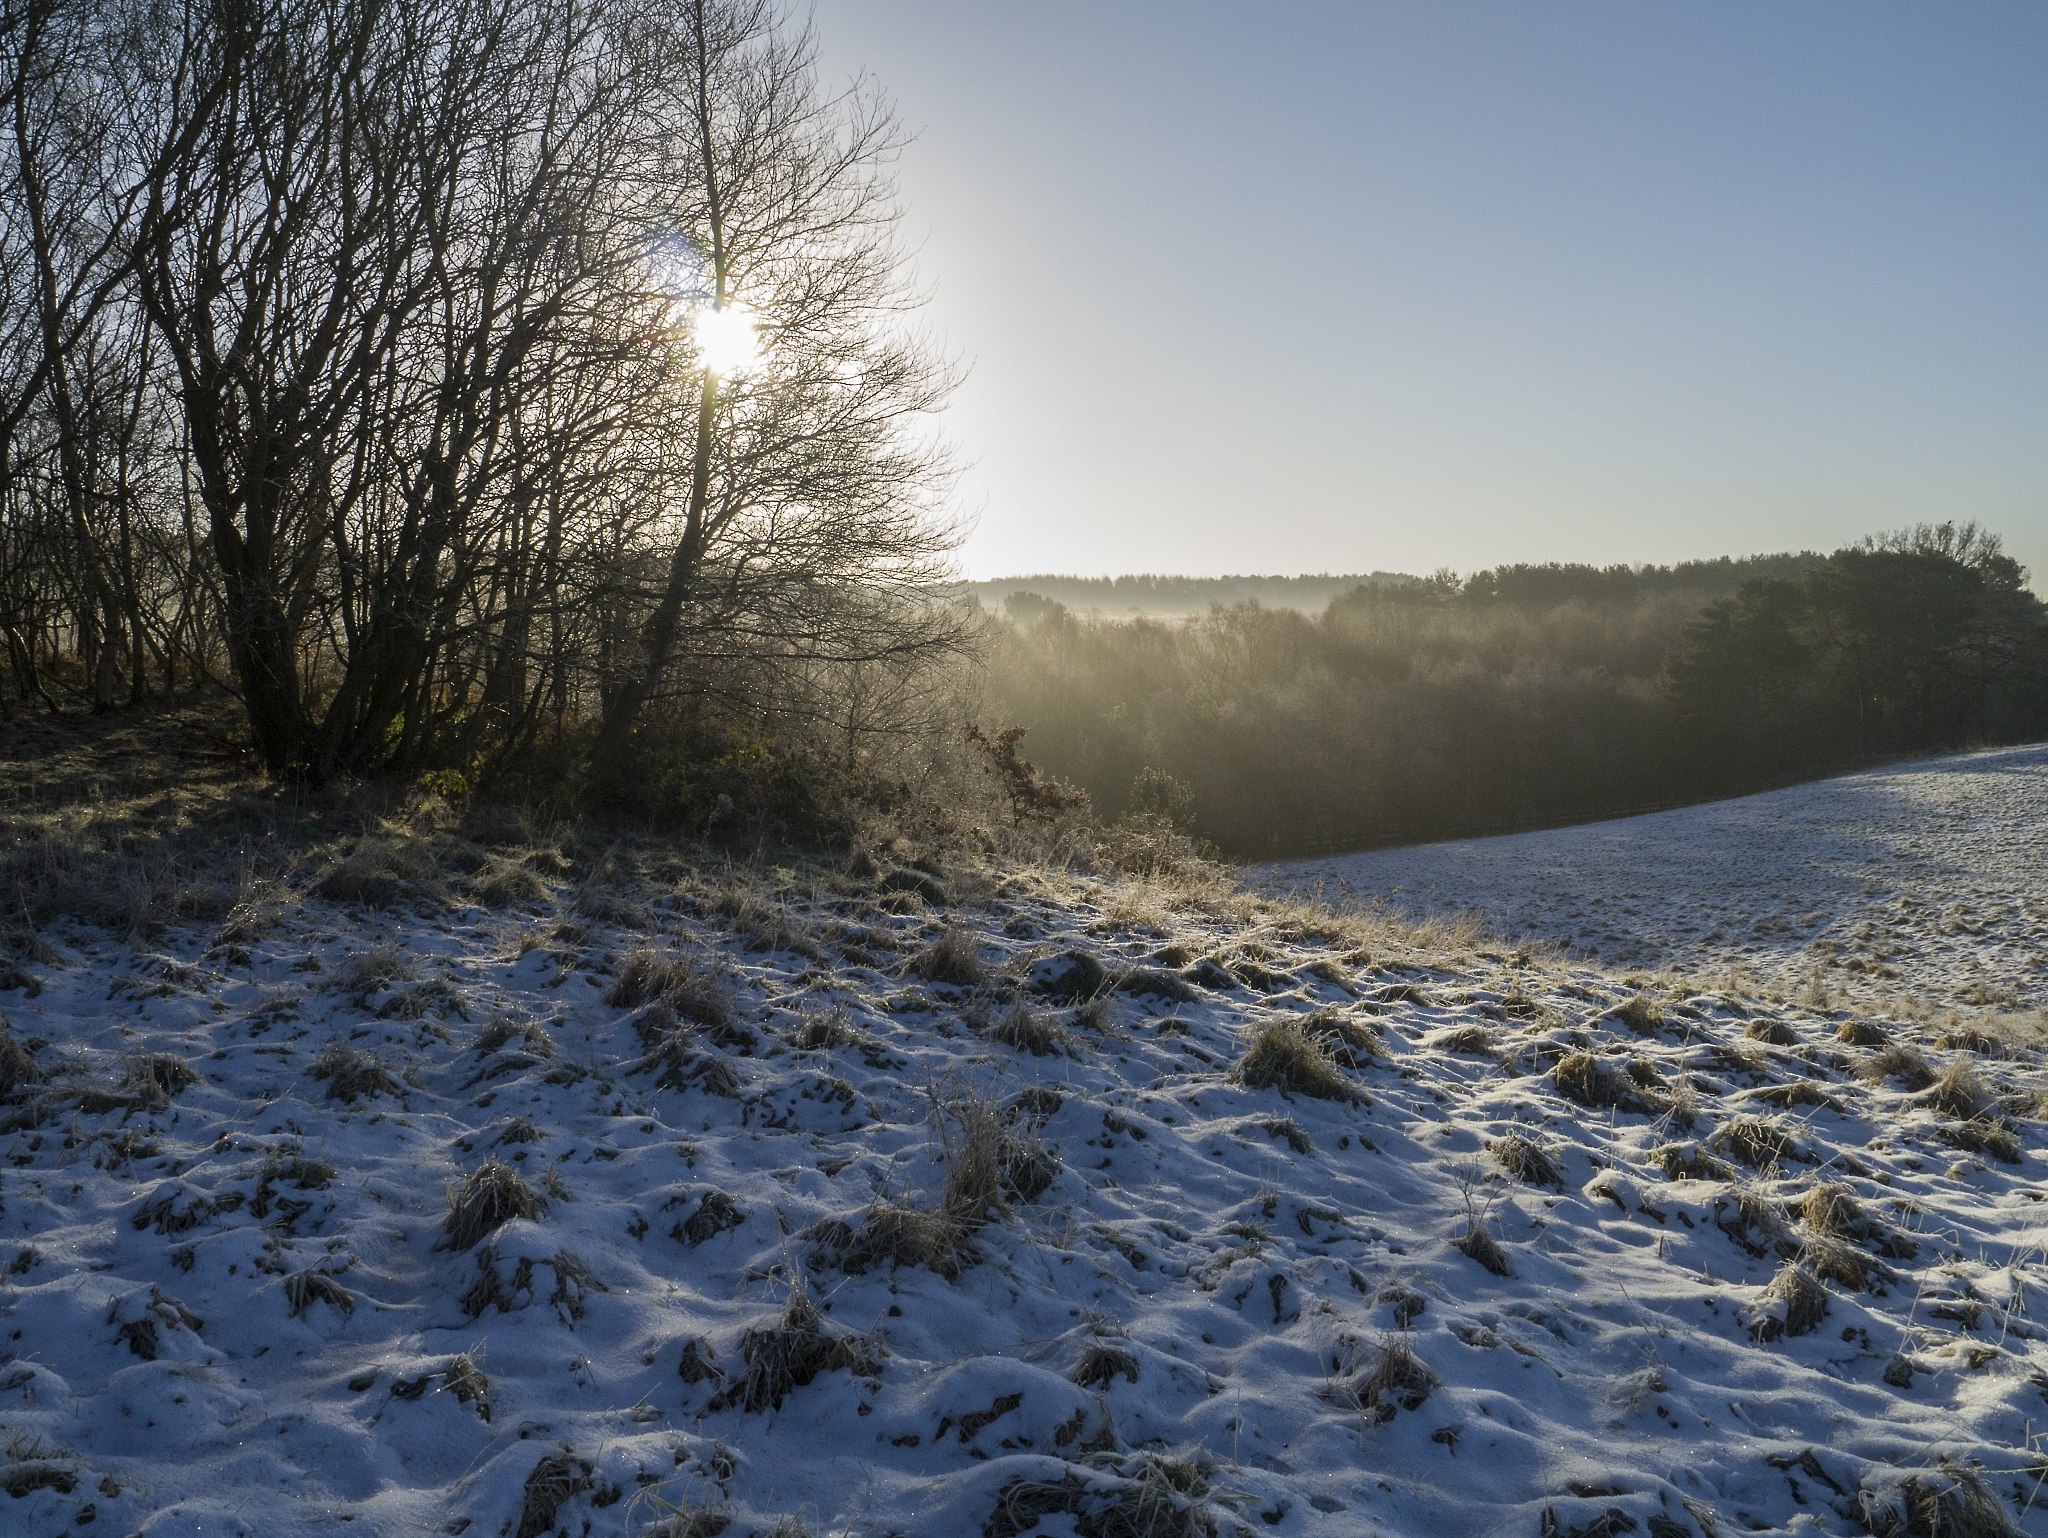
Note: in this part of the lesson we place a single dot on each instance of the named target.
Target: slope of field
(965, 1201)
(1928, 879)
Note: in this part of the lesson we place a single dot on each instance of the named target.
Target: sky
(1291, 287)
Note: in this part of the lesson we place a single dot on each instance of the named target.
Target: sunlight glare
(726, 343)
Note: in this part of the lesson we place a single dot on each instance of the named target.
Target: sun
(726, 341)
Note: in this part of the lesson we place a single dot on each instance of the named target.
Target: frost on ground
(977, 1200)
(1927, 878)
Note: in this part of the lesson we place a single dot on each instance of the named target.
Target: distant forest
(1149, 593)
(1529, 695)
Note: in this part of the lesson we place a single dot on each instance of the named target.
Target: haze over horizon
(1344, 288)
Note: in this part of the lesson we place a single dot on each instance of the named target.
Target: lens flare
(726, 342)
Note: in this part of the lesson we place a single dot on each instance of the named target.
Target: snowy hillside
(969, 1200)
(1928, 878)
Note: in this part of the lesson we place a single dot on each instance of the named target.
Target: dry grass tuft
(555, 1481)
(1793, 1304)
(1027, 1031)
(1961, 1504)
(692, 989)
(1156, 982)
(1286, 1057)
(155, 1077)
(1641, 1014)
(1527, 1162)
(950, 959)
(1582, 1077)
(1397, 1380)
(1773, 1033)
(509, 883)
(466, 1381)
(1800, 1092)
(790, 1353)
(1752, 1223)
(500, 1032)
(19, 1071)
(302, 1289)
(1158, 1495)
(1831, 1209)
(1833, 1261)
(352, 1074)
(1966, 1039)
(1959, 1092)
(492, 1195)
(1102, 1362)
(380, 872)
(1861, 1033)
(1350, 1043)
(1480, 1245)
(1471, 1040)
(1897, 1062)
(1757, 1142)
(1688, 1161)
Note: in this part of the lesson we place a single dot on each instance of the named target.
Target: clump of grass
(19, 1071)
(1527, 1162)
(1688, 1161)
(1157, 982)
(1831, 1209)
(1793, 1304)
(1350, 1043)
(351, 1074)
(1984, 1135)
(556, 1480)
(1757, 1142)
(1582, 1077)
(1897, 1062)
(509, 883)
(1800, 1092)
(1284, 1056)
(1959, 1092)
(1027, 1031)
(1961, 1504)
(1102, 1362)
(1157, 1495)
(1833, 1261)
(1285, 1127)
(1641, 1014)
(156, 1077)
(950, 959)
(1966, 1039)
(466, 1381)
(500, 1032)
(1397, 1380)
(302, 1289)
(379, 872)
(1752, 1223)
(693, 990)
(790, 1353)
(1861, 1033)
(492, 1195)
(1477, 1243)
(716, 1213)
(1773, 1033)
(1471, 1040)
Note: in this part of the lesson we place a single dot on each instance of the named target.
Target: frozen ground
(1740, 1280)
(1929, 878)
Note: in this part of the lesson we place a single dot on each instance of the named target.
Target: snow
(1250, 1252)
(1929, 878)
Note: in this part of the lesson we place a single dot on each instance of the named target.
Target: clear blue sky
(1293, 287)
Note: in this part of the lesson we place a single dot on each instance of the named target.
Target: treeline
(1024, 598)
(468, 385)
(1533, 694)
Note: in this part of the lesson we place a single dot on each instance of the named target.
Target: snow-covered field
(1927, 878)
(1736, 1272)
